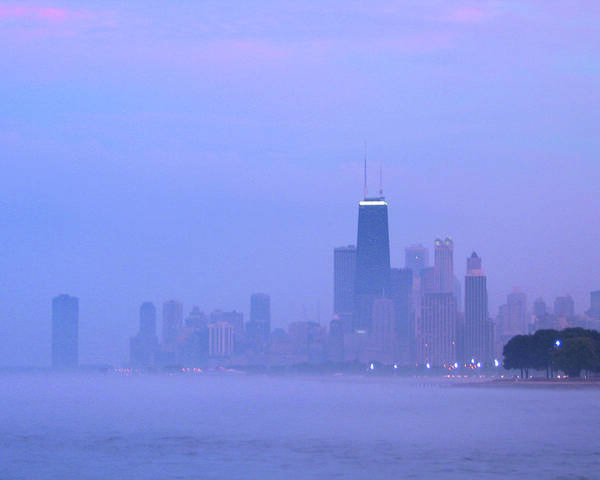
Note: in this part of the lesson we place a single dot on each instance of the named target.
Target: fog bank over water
(97, 427)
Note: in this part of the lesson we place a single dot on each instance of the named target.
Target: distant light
(373, 202)
(427, 365)
(372, 366)
(557, 343)
(472, 360)
(455, 364)
(496, 363)
(395, 366)
(478, 364)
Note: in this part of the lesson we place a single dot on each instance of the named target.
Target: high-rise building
(594, 311)
(436, 326)
(564, 306)
(344, 269)
(148, 319)
(416, 257)
(220, 339)
(259, 326)
(512, 318)
(457, 291)
(65, 331)
(383, 339)
(196, 318)
(372, 259)
(335, 340)
(401, 292)
(539, 308)
(595, 301)
(235, 319)
(444, 266)
(143, 346)
(436, 330)
(172, 314)
(478, 333)
(427, 281)
(308, 339)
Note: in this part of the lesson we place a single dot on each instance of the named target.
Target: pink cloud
(468, 15)
(48, 14)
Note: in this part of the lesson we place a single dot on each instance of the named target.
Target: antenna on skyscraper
(380, 180)
(366, 192)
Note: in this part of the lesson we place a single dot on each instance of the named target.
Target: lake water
(237, 426)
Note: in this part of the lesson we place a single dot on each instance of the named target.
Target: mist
(237, 426)
(202, 152)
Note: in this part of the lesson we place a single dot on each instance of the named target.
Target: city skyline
(437, 279)
(317, 239)
(417, 320)
(207, 178)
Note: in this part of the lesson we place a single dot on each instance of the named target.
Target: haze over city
(203, 153)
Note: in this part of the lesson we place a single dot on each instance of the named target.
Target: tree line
(571, 351)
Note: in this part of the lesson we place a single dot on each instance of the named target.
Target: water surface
(237, 426)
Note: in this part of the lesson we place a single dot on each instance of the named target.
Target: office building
(172, 314)
(512, 319)
(401, 292)
(564, 306)
(383, 344)
(444, 266)
(539, 308)
(372, 259)
(344, 269)
(478, 330)
(220, 339)
(143, 346)
(196, 318)
(65, 332)
(259, 326)
(436, 330)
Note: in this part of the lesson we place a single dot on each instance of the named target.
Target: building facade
(65, 332)
(436, 333)
(372, 260)
(259, 326)
(401, 292)
(220, 339)
(143, 346)
(478, 332)
(172, 317)
(344, 276)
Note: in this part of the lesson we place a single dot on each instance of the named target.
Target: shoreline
(535, 383)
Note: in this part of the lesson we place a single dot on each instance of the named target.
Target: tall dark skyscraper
(65, 331)
(144, 345)
(478, 334)
(344, 269)
(259, 326)
(148, 319)
(172, 321)
(372, 259)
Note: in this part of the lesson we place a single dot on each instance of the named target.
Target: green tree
(543, 344)
(518, 354)
(576, 354)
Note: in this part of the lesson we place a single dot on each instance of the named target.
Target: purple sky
(206, 150)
